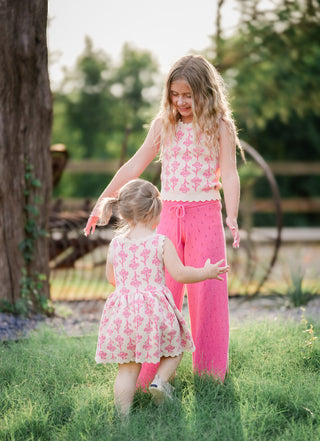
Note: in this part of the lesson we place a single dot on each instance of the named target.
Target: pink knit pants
(196, 230)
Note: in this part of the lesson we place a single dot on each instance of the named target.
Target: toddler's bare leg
(125, 385)
(167, 367)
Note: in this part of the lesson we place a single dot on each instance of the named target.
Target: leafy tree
(100, 110)
(272, 64)
(134, 81)
(100, 103)
(85, 103)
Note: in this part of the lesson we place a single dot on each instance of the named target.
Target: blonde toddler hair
(137, 201)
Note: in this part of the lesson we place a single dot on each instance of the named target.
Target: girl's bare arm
(132, 169)
(230, 180)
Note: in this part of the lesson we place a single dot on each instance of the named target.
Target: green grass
(51, 389)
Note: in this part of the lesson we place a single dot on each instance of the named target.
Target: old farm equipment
(76, 262)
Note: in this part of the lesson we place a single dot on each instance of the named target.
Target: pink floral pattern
(190, 169)
(140, 321)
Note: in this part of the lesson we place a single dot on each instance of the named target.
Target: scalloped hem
(191, 202)
(152, 361)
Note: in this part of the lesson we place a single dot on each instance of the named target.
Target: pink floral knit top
(190, 171)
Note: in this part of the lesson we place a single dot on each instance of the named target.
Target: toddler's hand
(233, 226)
(214, 269)
(91, 225)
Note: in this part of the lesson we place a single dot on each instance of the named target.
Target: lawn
(51, 389)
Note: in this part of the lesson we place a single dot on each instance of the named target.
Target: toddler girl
(140, 322)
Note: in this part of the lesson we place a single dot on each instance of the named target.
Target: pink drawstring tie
(180, 212)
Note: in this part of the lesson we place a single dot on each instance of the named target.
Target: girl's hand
(233, 226)
(214, 269)
(91, 225)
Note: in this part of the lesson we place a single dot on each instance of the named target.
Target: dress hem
(152, 361)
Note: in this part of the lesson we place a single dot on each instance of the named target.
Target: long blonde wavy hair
(209, 101)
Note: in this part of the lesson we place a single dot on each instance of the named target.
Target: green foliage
(100, 103)
(81, 185)
(51, 389)
(133, 83)
(310, 350)
(31, 282)
(249, 173)
(88, 103)
(271, 64)
(31, 297)
(100, 112)
(62, 130)
(297, 293)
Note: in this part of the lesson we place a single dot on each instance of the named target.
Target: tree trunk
(25, 131)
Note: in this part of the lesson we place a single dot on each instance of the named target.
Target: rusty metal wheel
(252, 264)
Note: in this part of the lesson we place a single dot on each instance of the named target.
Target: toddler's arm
(110, 273)
(109, 266)
(190, 274)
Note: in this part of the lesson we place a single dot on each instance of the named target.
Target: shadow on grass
(201, 409)
(52, 390)
(214, 413)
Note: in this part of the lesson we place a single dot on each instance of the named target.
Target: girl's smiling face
(181, 99)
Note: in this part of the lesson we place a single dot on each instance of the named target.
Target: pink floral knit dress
(140, 322)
